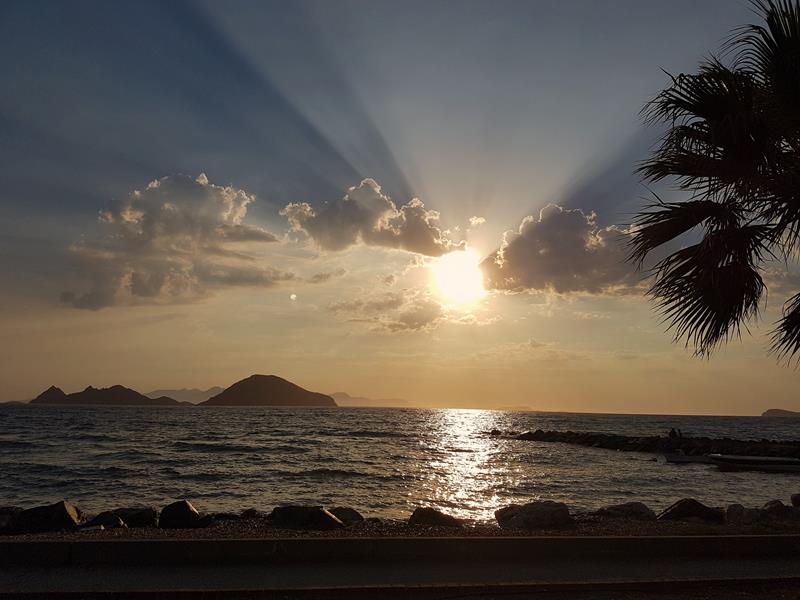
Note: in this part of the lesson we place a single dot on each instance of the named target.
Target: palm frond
(786, 335)
(707, 291)
(665, 221)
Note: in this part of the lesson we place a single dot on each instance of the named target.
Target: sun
(457, 277)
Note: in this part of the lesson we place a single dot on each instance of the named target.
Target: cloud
(177, 238)
(393, 312)
(561, 250)
(366, 215)
(326, 276)
(475, 222)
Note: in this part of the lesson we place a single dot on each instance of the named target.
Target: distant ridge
(345, 399)
(116, 395)
(191, 395)
(268, 390)
(779, 412)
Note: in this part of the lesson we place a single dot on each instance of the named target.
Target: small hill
(345, 399)
(192, 396)
(267, 390)
(779, 412)
(116, 395)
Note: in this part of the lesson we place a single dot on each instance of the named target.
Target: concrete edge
(168, 552)
(437, 590)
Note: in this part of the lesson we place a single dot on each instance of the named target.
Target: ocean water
(384, 462)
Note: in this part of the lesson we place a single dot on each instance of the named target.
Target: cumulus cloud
(475, 222)
(177, 238)
(404, 310)
(561, 250)
(365, 214)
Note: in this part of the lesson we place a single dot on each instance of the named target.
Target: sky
(418, 200)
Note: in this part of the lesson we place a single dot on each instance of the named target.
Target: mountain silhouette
(345, 399)
(116, 395)
(267, 390)
(779, 412)
(193, 395)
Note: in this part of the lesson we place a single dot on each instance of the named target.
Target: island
(189, 395)
(779, 412)
(116, 395)
(267, 390)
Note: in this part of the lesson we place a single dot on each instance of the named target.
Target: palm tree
(733, 146)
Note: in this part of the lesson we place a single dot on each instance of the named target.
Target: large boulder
(736, 514)
(53, 517)
(795, 500)
(778, 510)
(347, 515)
(179, 515)
(6, 514)
(545, 514)
(689, 509)
(138, 516)
(628, 510)
(304, 517)
(430, 517)
(107, 520)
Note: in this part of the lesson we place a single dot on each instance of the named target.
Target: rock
(107, 520)
(796, 500)
(138, 516)
(778, 510)
(6, 514)
(226, 516)
(628, 510)
(545, 514)
(53, 517)
(347, 515)
(736, 514)
(304, 517)
(252, 513)
(179, 515)
(689, 509)
(430, 517)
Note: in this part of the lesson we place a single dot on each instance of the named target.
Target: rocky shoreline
(181, 519)
(690, 446)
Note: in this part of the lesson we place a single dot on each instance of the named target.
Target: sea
(382, 461)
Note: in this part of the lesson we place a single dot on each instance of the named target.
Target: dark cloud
(172, 240)
(365, 214)
(564, 251)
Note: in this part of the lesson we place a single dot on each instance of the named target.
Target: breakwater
(690, 446)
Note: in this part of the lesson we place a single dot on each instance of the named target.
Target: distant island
(116, 395)
(267, 390)
(192, 396)
(256, 390)
(779, 412)
(345, 399)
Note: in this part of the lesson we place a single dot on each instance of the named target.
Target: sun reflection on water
(464, 478)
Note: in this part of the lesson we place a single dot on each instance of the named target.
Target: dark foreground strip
(374, 550)
(603, 590)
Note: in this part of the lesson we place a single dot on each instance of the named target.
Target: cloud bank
(366, 215)
(177, 238)
(561, 250)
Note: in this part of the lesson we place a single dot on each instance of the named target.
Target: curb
(373, 550)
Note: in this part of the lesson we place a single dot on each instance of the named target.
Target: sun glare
(457, 277)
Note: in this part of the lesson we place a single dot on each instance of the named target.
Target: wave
(11, 444)
(337, 474)
(374, 434)
(214, 447)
